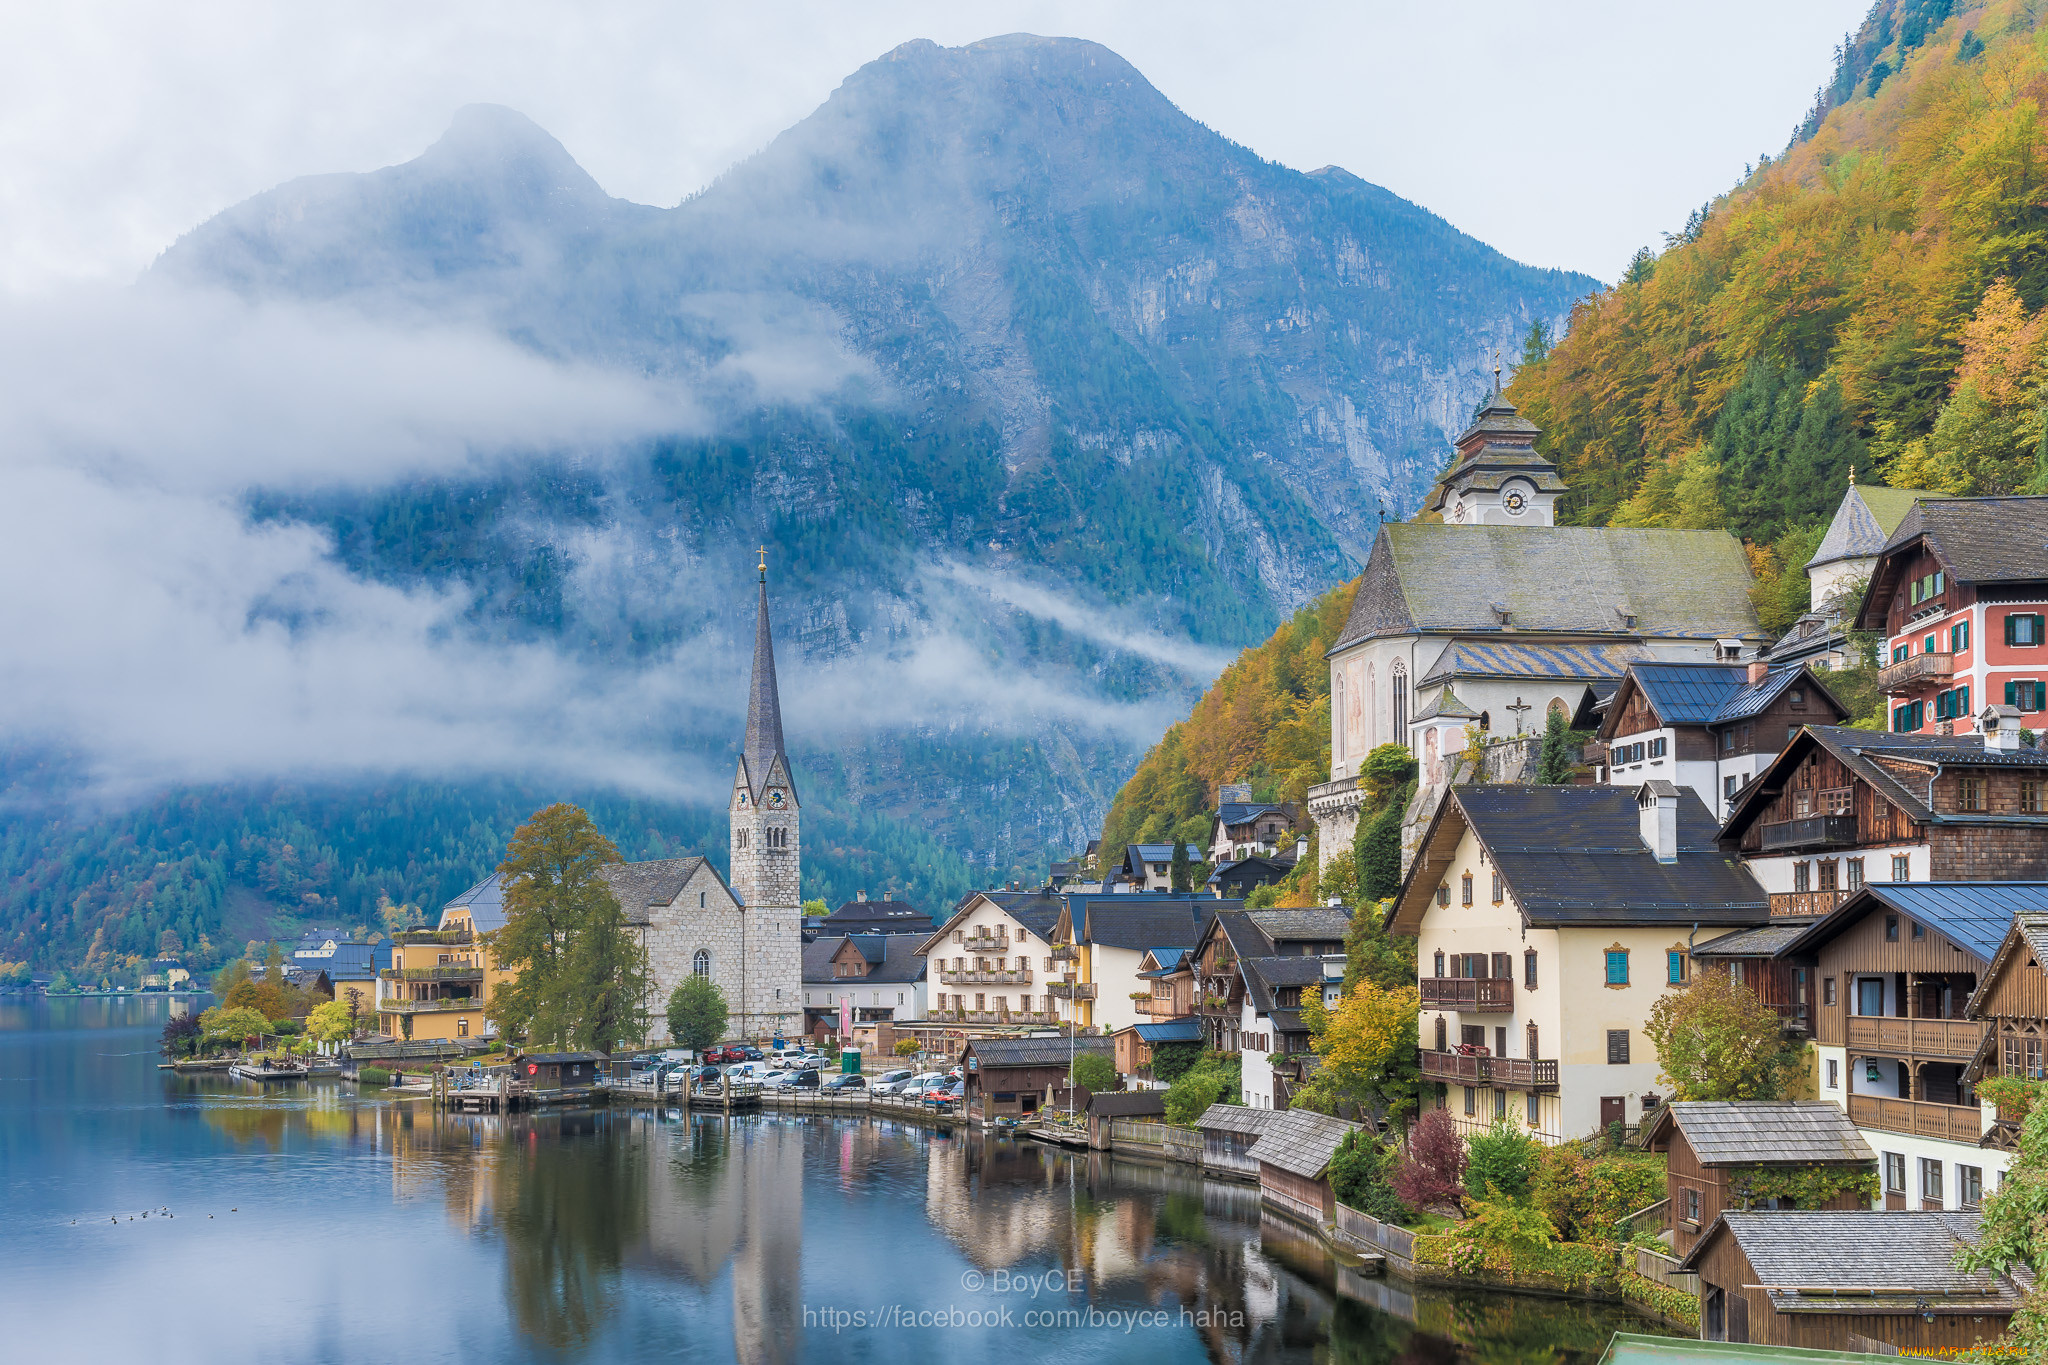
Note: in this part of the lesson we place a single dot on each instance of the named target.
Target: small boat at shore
(256, 1071)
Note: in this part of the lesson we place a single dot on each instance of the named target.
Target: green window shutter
(2012, 693)
(2011, 620)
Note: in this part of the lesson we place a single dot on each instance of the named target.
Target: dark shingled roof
(1799, 1256)
(1575, 855)
(1981, 540)
(639, 886)
(1235, 1118)
(2026, 939)
(1241, 813)
(892, 959)
(1765, 1132)
(888, 917)
(818, 953)
(1001, 1052)
(1313, 923)
(1264, 975)
(1127, 1104)
(564, 1058)
(1866, 753)
(1972, 915)
(1142, 920)
(1576, 580)
(1300, 1142)
(1767, 941)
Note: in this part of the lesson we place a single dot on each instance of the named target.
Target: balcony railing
(450, 1003)
(1161, 1007)
(983, 942)
(447, 971)
(1920, 668)
(982, 978)
(1920, 1118)
(432, 936)
(1065, 952)
(1800, 903)
(1957, 1039)
(1812, 831)
(1478, 994)
(1509, 1073)
(1219, 1007)
(1072, 990)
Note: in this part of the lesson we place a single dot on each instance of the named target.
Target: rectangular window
(1891, 928)
(1899, 653)
(1959, 637)
(2030, 796)
(1617, 967)
(1657, 748)
(1727, 741)
(1465, 889)
(1675, 963)
(2022, 628)
(1870, 996)
(2024, 694)
(1827, 990)
(1439, 963)
(1970, 1186)
(1535, 1110)
(1802, 876)
(1500, 1104)
(1834, 1074)
(1927, 646)
(1471, 1100)
(1499, 889)
(1830, 874)
(1443, 894)
(1902, 868)
(1854, 868)
(1894, 1172)
(1972, 793)
(1919, 929)
(1692, 1206)
(1529, 969)
(1617, 1047)
(1930, 1181)
(1729, 786)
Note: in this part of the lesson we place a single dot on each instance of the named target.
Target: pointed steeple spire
(764, 703)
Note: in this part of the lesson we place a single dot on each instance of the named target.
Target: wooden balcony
(1956, 1039)
(1071, 990)
(1507, 1073)
(1477, 995)
(1909, 673)
(412, 936)
(1161, 1007)
(1812, 831)
(1218, 1007)
(1920, 1118)
(981, 978)
(1806, 903)
(1065, 952)
(980, 942)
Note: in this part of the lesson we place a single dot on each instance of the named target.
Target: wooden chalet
(1014, 1077)
(2011, 1002)
(1716, 1149)
(1755, 957)
(1106, 1109)
(1836, 1281)
(1134, 1044)
(1169, 975)
(1841, 809)
(1294, 1162)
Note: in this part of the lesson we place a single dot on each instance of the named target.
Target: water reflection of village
(597, 1210)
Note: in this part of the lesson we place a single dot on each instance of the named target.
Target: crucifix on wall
(1518, 707)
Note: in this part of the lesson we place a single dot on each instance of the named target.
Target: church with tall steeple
(745, 932)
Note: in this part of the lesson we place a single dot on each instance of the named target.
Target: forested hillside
(1266, 721)
(1873, 296)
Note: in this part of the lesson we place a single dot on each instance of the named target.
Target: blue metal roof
(1172, 1031)
(1975, 915)
(485, 902)
(1583, 663)
(1238, 812)
(1689, 694)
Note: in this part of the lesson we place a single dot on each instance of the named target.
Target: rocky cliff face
(997, 327)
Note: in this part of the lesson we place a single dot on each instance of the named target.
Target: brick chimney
(1657, 805)
(1759, 669)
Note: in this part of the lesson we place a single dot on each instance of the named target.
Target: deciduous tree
(1367, 1046)
(331, 1023)
(696, 1013)
(1716, 1041)
(1094, 1072)
(1431, 1171)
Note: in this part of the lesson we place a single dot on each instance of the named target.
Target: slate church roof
(1579, 580)
(764, 708)
(1864, 521)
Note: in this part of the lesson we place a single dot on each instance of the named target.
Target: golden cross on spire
(1852, 476)
(1496, 374)
(764, 563)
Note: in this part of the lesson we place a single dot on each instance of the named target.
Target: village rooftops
(1707, 693)
(889, 958)
(1244, 812)
(1764, 1132)
(1576, 856)
(886, 917)
(1037, 911)
(1265, 977)
(2025, 941)
(485, 903)
(1865, 520)
(1765, 941)
(1862, 1263)
(1172, 1031)
(1899, 767)
(1301, 1142)
(1975, 540)
(1138, 920)
(1315, 923)
(1972, 916)
(1618, 583)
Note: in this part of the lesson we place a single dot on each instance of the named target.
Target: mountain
(1871, 297)
(1044, 397)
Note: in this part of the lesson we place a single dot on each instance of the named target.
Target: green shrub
(1171, 1061)
(1501, 1162)
(1094, 1072)
(1362, 1175)
(286, 1028)
(1188, 1098)
(373, 1075)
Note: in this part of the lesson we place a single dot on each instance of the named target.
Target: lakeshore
(630, 1232)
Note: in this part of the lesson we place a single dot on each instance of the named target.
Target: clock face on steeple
(743, 796)
(1515, 501)
(775, 799)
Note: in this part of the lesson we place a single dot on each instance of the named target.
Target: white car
(749, 1071)
(891, 1082)
(777, 1080)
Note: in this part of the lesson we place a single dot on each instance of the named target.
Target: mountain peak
(493, 138)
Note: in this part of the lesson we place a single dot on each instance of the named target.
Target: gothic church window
(700, 965)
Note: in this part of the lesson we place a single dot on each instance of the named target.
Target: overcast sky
(1566, 132)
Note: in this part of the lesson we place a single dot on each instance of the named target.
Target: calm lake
(315, 1226)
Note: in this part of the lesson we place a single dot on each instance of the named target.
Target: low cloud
(1112, 628)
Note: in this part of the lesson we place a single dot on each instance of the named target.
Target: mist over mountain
(1044, 398)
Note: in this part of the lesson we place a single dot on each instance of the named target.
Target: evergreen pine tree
(1640, 267)
(1180, 866)
(1750, 442)
(1555, 761)
(1536, 345)
(1808, 484)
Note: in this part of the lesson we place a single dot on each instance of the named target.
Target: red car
(721, 1055)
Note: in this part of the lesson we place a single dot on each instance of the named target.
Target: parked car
(938, 1092)
(804, 1080)
(706, 1073)
(809, 1063)
(777, 1080)
(749, 1053)
(892, 1082)
(855, 1082)
(721, 1054)
(957, 1093)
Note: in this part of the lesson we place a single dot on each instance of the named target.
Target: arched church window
(1485, 721)
(1397, 688)
(700, 900)
(1558, 709)
(1372, 716)
(1341, 716)
(700, 965)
